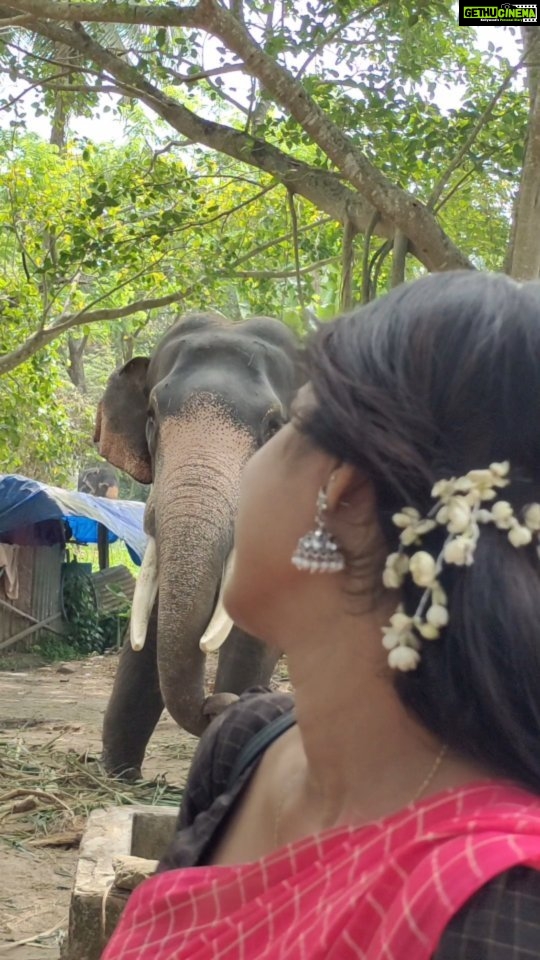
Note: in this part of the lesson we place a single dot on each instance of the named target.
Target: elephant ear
(121, 420)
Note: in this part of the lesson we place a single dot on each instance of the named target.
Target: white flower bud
(437, 615)
(391, 579)
(403, 658)
(424, 526)
(462, 485)
(408, 536)
(480, 478)
(442, 490)
(390, 639)
(532, 517)
(398, 562)
(405, 517)
(502, 514)
(422, 568)
(459, 515)
(401, 564)
(519, 536)
(400, 622)
(500, 469)
(438, 595)
(459, 551)
(428, 631)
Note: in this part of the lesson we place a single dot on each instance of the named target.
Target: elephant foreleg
(134, 708)
(244, 662)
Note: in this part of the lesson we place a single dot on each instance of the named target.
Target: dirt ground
(60, 705)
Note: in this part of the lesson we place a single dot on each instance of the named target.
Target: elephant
(100, 481)
(187, 420)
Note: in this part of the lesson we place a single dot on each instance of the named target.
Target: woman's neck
(364, 756)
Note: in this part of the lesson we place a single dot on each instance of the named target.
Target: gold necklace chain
(421, 790)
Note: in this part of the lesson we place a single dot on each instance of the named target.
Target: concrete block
(96, 904)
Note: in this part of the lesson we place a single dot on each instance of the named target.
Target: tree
(126, 221)
(288, 104)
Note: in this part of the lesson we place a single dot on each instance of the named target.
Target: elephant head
(99, 481)
(187, 420)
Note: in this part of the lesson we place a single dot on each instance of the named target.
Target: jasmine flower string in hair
(461, 509)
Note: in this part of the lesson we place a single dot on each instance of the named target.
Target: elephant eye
(151, 431)
(272, 424)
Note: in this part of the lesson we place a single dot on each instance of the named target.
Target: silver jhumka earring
(317, 551)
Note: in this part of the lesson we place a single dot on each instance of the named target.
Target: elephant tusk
(221, 624)
(145, 594)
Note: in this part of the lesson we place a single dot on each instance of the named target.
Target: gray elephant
(100, 481)
(187, 420)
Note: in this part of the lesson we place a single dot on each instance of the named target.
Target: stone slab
(96, 905)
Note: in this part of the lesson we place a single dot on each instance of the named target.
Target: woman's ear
(345, 486)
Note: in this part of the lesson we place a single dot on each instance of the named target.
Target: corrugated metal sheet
(46, 583)
(40, 571)
(11, 623)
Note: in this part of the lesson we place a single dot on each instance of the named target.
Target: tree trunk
(347, 266)
(59, 119)
(399, 258)
(523, 257)
(76, 369)
(128, 344)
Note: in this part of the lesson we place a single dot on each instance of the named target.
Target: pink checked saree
(384, 890)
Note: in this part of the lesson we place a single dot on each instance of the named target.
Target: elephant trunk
(196, 499)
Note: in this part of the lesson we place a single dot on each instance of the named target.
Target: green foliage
(88, 631)
(45, 425)
(51, 648)
(87, 226)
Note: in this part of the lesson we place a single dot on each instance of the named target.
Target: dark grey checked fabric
(502, 920)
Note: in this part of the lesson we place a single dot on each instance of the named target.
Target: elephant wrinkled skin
(187, 420)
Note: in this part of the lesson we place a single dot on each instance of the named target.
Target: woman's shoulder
(502, 920)
(222, 743)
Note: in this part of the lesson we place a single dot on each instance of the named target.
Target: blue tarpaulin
(24, 502)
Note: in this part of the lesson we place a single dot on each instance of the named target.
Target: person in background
(387, 541)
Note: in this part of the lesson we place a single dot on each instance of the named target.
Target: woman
(396, 812)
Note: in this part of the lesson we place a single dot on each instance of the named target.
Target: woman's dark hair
(439, 377)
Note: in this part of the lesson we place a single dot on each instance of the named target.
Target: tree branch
(399, 259)
(296, 251)
(45, 335)
(42, 337)
(366, 265)
(137, 14)
(255, 251)
(44, 81)
(288, 273)
(347, 264)
(322, 188)
(523, 255)
(432, 245)
(223, 95)
(20, 21)
(480, 123)
(204, 74)
(329, 37)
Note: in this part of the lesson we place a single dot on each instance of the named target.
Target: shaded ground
(50, 735)
(53, 710)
